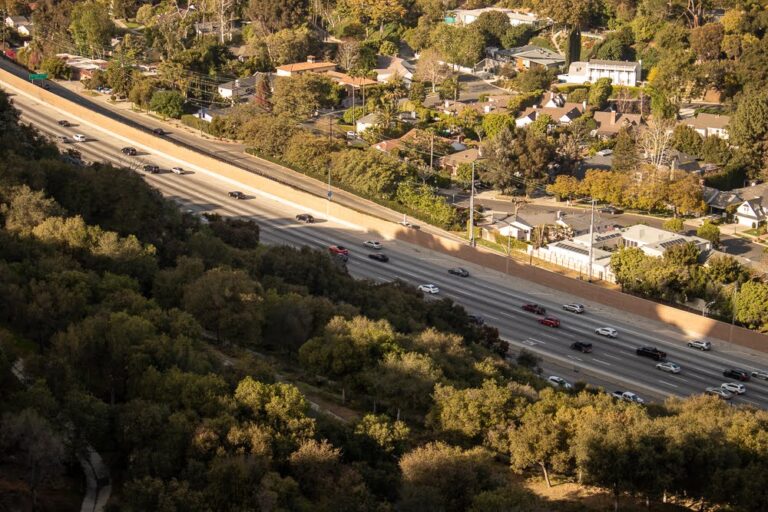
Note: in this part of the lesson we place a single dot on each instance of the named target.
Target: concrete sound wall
(689, 323)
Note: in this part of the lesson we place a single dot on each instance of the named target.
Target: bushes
(196, 123)
(525, 100)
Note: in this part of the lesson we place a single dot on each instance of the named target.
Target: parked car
(609, 332)
(79, 137)
(611, 210)
(379, 257)
(734, 387)
(177, 170)
(305, 217)
(429, 288)
(128, 151)
(549, 321)
(604, 152)
(720, 393)
(534, 308)
(152, 169)
(581, 346)
(372, 244)
(351, 135)
(760, 374)
(559, 382)
(700, 344)
(237, 194)
(458, 271)
(652, 352)
(574, 308)
(736, 373)
(64, 123)
(338, 249)
(668, 367)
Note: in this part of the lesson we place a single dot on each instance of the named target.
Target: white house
(516, 17)
(560, 115)
(709, 125)
(241, 87)
(366, 122)
(752, 212)
(16, 21)
(575, 257)
(209, 114)
(620, 72)
(388, 68)
(655, 242)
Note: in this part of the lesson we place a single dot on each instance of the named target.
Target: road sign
(38, 76)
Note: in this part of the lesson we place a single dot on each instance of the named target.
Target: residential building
(574, 256)
(82, 67)
(209, 114)
(655, 242)
(609, 123)
(560, 115)
(620, 72)
(516, 17)
(311, 66)
(350, 82)
(17, 21)
(366, 122)
(452, 162)
(709, 125)
(752, 212)
(241, 87)
(718, 201)
(527, 57)
(389, 68)
(561, 224)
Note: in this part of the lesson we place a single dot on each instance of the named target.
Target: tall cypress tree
(573, 48)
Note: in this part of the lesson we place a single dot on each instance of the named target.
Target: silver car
(668, 367)
(760, 374)
(700, 344)
(574, 308)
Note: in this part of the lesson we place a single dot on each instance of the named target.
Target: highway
(491, 294)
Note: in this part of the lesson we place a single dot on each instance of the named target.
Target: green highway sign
(38, 76)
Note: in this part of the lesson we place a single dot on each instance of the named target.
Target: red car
(549, 321)
(338, 249)
(534, 308)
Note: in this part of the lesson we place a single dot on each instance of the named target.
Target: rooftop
(708, 121)
(305, 66)
(354, 81)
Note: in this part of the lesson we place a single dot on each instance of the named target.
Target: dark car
(476, 319)
(549, 321)
(611, 210)
(305, 217)
(128, 151)
(582, 347)
(652, 352)
(458, 271)
(736, 373)
(379, 257)
(237, 194)
(534, 308)
(151, 169)
(64, 123)
(158, 131)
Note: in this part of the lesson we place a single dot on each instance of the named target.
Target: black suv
(305, 217)
(158, 131)
(458, 271)
(152, 169)
(237, 194)
(129, 151)
(476, 319)
(736, 373)
(582, 347)
(652, 352)
(379, 257)
(64, 123)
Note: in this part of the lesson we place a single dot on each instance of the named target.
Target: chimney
(584, 105)
(613, 117)
(311, 58)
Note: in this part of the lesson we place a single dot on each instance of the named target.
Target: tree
(388, 48)
(91, 27)
(517, 157)
(534, 79)
(388, 436)
(748, 127)
(599, 92)
(430, 68)
(628, 265)
(674, 224)
(56, 68)
(715, 150)
(750, 305)
(493, 25)
(655, 141)
(274, 15)
(625, 157)
(494, 123)
(167, 104)
(299, 96)
(686, 139)
(371, 173)
(726, 270)
(288, 45)
(564, 187)
(707, 40)
(709, 231)
(686, 195)
(141, 93)
(267, 134)
(449, 88)
(571, 14)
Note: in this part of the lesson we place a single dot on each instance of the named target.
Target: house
(82, 68)
(752, 212)
(452, 162)
(709, 125)
(560, 115)
(562, 225)
(576, 257)
(241, 87)
(311, 66)
(620, 72)
(516, 17)
(655, 242)
(16, 21)
(609, 123)
(366, 122)
(682, 161)
(25, 30)
(528, 56)
(718, 200)
(388, 68)
(209, 114)
(350, 82)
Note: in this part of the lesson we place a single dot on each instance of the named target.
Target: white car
(733, 387)
(607, 331)
(668, 367)
(372, 244)
(559, 382)
(351, 135)
(627, 396)
(720, 392)
(79, 137)
(177, 170)
(760, 374)
(429, 288)
(574, 308)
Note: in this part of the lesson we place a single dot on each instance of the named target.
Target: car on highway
(236, 194)
(609, 332)
(458, 271)
(534, 308)
(338, 249)
(128, 151)
(177, 170)
(476, 319)
(760, 374)
(734, 387)
(429, 288)
(152, 169)
(79, 137)
(63, 139)
(668, 367)
(574, 308)
(651, 352)
(64, 123)
(549, 321)
(372, 244)
(379, 257)
(305, 218)
(736, 373)
(158, 131)
(408, 225)
(611, 210)
(720, 393)
(582, 347)
(700, 344)
(559, 382)
(627, 396)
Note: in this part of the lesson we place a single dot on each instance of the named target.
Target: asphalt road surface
(498, 298)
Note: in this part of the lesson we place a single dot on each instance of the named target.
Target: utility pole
(472, 209)
(432, 152)
(591, 240)
(330, 192)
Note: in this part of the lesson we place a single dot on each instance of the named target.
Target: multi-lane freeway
(496, 297)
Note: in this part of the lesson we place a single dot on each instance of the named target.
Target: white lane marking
(537, 341)
(492, 317)
(667, 383)
(529, 343)
(750, 401)
(612, 357)
(575, 358)
(678, 378)
(602, 362)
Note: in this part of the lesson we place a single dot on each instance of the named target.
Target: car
(351, 135)
(582, 347)
(458, 271)
(63, 139)
(611, 210)
(106, 90)
(64, 123)
(305, 217)
(627, 396)
(372, 244)
(128, 151)
(736, 373)
(549, 321)
(604, 152)
(177, 170)
(559, 382)
(734, 387)
(476, 319)
(700, 344)
(720, 393)
(429, 288)
(534, 308)
(760, 374)
(379, 257)
(236, 194)
(158, 131)
(79, 137)
(408, 225)
(668, 367)
(574, 308)
(609, 332)
(338, 249)
(651, 352)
